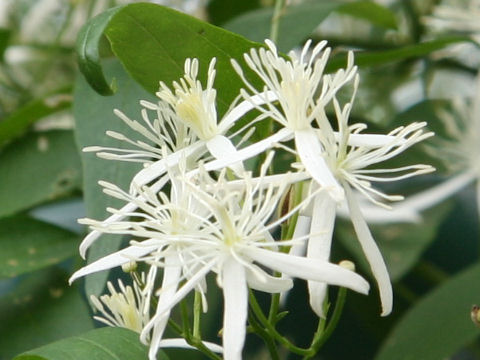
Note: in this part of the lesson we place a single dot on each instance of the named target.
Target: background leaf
(40, 308)
(100, 344)
(28, 244)
(19, 121)
(93, 116)
(376, 58)
(439, 324)
(299, 21)
(40, 167)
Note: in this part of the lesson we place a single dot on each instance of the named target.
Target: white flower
(232, 239)
(350, 162)
(185, 127)
(302, 91)
(123, 309)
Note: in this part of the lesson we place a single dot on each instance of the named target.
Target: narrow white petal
(302, 228)
(235, 294)
(187, 287)
(309, 269)
(113, 260)
(310, 152)
(159, 167)
(181, 343)
(319, 245)
(170, 282)
(245, 106)
(221, 147)
(129, 207)
(371, 251)
(367, 140)
(268, 283)
(250, 151)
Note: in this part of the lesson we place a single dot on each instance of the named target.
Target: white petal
(367, 140)
(250, 151)
(181, 343)
(159, 167)
(235, 294)
(319, 245)
(270, 284)
(371, 251)
(308, 269)
(245, 106)
(95, 234)
(221, 147)
(302, 228)
(113, 260)
(187, 287)
(310, 152)
(170, 282)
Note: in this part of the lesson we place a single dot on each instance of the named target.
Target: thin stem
(277, 14)
(265, 335)
(318, 342)
(271, 329)
(197, 308)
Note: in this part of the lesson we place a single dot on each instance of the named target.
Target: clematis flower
(295, 83)
(186, 125)
(351, 164)
(225, 230)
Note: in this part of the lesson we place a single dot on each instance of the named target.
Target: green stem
(271, 329)
(277, 14)
(265, 335)
(318, 342)
(197, 308)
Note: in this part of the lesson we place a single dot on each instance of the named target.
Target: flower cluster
(197, 208)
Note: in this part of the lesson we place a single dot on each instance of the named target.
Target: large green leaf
(438, 325)
(152, 42)
(93, 116)
(37, 168)
(298, 22)
(40, 308)
(99, 344)
(19, 121)
(28, 244)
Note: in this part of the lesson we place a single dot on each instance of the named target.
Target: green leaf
(100, 344)
(93, 116)
(439, 324)
(298, 22)
(19, 121)
(371, 12)
(39, 309)
(400, 244)
(4, 40)
(28, 244)
(152, 42)
(376, 58)
(88, 55)
(40, 167)
(219, 11)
